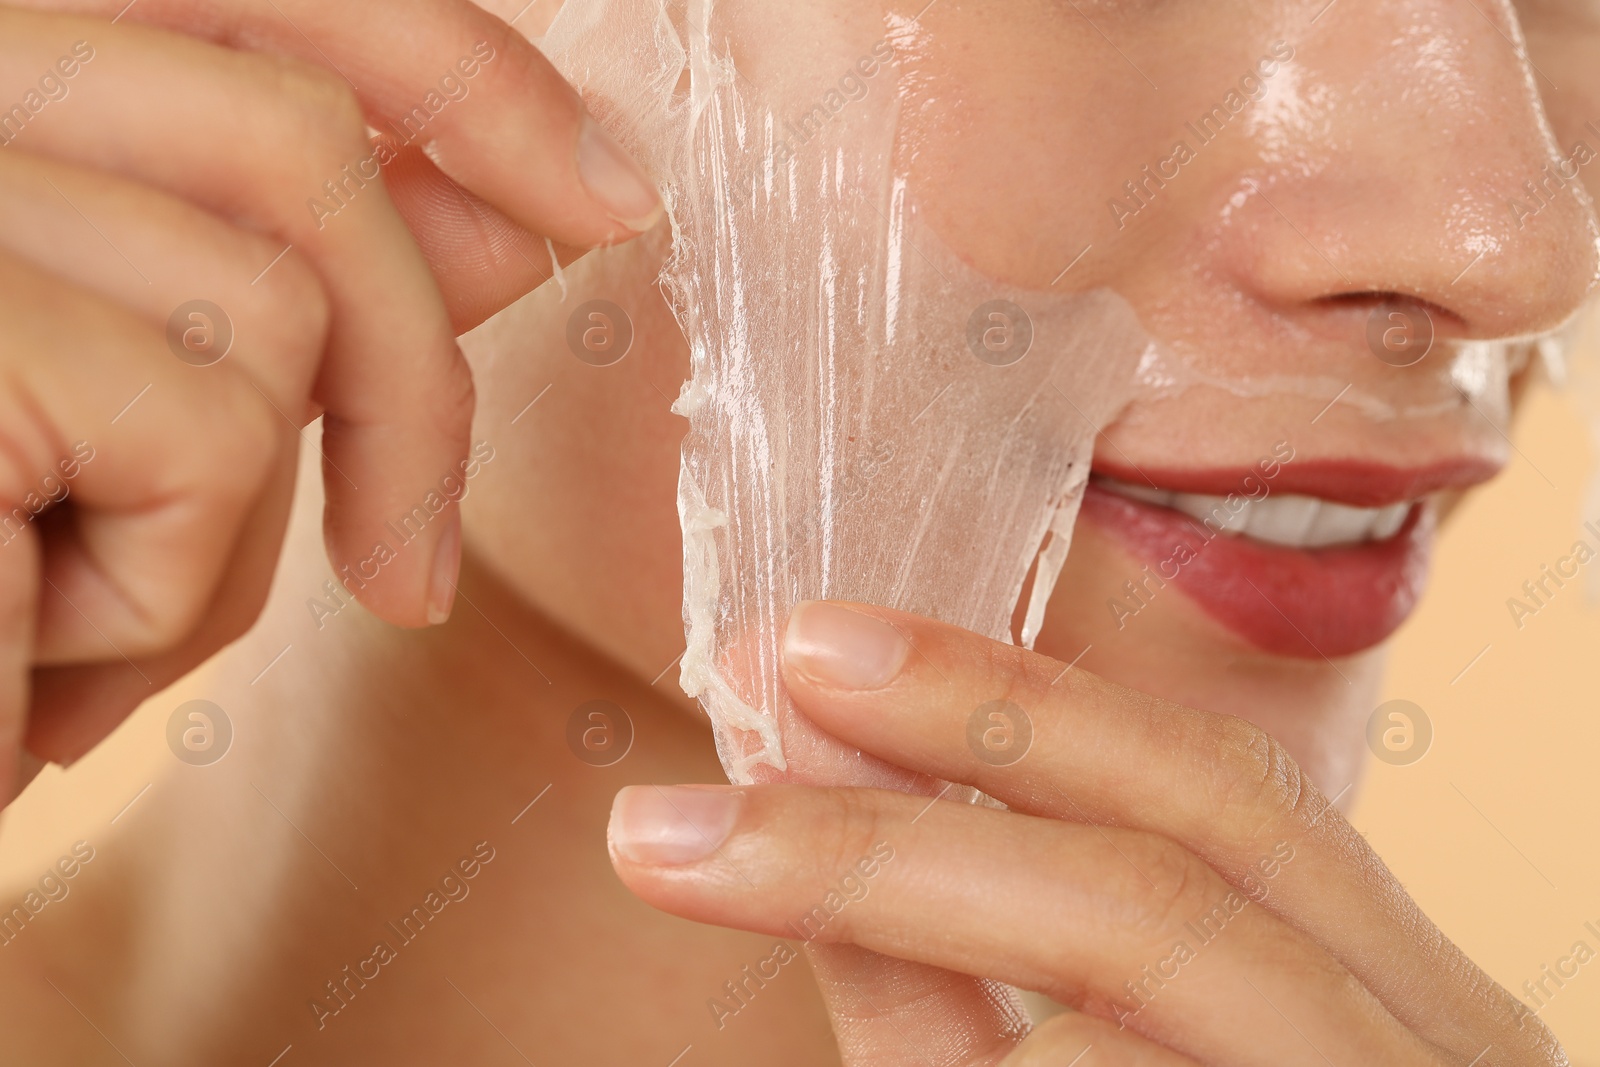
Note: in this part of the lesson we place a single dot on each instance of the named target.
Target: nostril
(1399, 328)
(1362, 304)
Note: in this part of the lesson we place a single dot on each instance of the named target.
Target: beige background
(1493, 830)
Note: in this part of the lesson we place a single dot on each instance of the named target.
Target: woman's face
(1292, 195)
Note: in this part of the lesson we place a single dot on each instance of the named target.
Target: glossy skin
(205, 924)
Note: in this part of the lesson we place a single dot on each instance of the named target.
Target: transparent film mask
(871, 418)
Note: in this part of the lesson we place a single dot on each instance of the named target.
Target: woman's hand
(1169, 872)
(201, 250)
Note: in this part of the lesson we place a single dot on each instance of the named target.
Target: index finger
(449, 77)
(913, 691)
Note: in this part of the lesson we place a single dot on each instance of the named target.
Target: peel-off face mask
(871, 418)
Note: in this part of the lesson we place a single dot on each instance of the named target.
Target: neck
(366, 771)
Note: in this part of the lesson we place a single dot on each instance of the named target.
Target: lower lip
(1318, 603)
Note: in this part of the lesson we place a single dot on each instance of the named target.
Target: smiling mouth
(1286, 519)
(1325, 559)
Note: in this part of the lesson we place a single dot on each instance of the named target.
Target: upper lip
(1358, 483)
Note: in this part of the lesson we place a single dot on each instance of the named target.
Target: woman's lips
(1303, 602)
(1363, 483)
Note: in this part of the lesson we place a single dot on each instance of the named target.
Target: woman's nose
(1414, 161)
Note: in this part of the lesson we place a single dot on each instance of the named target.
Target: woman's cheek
(1090, 152)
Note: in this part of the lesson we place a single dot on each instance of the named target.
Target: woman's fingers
(274, 332)
(448, 76)
(125, 479)
(159, 144)
(157, 495)
(484, 148)
(76, 705)
(397, 394)
(152, 253)
(484, 261)
(1125, 924)
(1068, 745)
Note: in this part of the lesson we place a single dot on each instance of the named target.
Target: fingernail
(844, 648)
(446, 569)
(615, 180)
(669, 825)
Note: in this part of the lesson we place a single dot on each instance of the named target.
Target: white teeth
(1213, 508)
(1281, 519)
(1161, 498)
(1339, 524)
(1286, 522)
(1389, 521)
